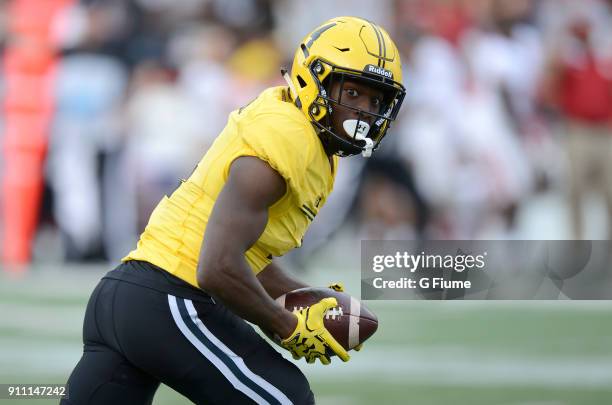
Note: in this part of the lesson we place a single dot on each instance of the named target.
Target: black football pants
(136, 337)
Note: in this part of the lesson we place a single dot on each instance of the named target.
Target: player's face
(359, 96)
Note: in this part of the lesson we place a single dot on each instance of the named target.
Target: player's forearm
(236, 286)
(278, 282)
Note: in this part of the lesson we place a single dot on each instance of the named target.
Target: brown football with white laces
(350, 322)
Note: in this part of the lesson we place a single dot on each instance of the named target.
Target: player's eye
(352, 92)
(376, 101)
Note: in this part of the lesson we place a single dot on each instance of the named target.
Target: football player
(175, 310)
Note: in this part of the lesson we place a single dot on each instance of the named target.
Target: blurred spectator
(86, 132)
(247, 18)
(156, 111)
(504, 62)
(201, 54)
(470, 73)
(390, 205)
(254, 65)
(580, 83)
(434, 76)
(85, 128)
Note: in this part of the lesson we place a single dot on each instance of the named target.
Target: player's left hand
(339, 286)
(310, 339)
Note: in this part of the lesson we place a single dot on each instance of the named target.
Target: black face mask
(338, 144)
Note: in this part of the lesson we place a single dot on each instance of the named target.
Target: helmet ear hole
(301, 81)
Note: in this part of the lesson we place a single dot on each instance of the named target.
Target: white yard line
(441, 366)
(449, 366)
(480, 306)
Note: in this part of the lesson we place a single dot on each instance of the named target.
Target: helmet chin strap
(358, 130)
(290, 83)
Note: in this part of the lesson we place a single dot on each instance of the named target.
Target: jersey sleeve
(283, 143)
(257, 259)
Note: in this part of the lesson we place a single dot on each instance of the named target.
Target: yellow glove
(337, 287)
(310, 339)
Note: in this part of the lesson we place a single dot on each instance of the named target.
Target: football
(351, 323)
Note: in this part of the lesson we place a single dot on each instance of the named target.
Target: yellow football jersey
(272, 129)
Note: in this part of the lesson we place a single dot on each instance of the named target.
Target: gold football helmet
(340, 49)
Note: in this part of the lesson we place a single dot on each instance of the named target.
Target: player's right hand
(310, 339)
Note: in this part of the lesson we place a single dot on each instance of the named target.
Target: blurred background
(506, 133)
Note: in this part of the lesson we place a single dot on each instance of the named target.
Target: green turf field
(537, 353)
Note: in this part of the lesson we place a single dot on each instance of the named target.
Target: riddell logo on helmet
(379, 71)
